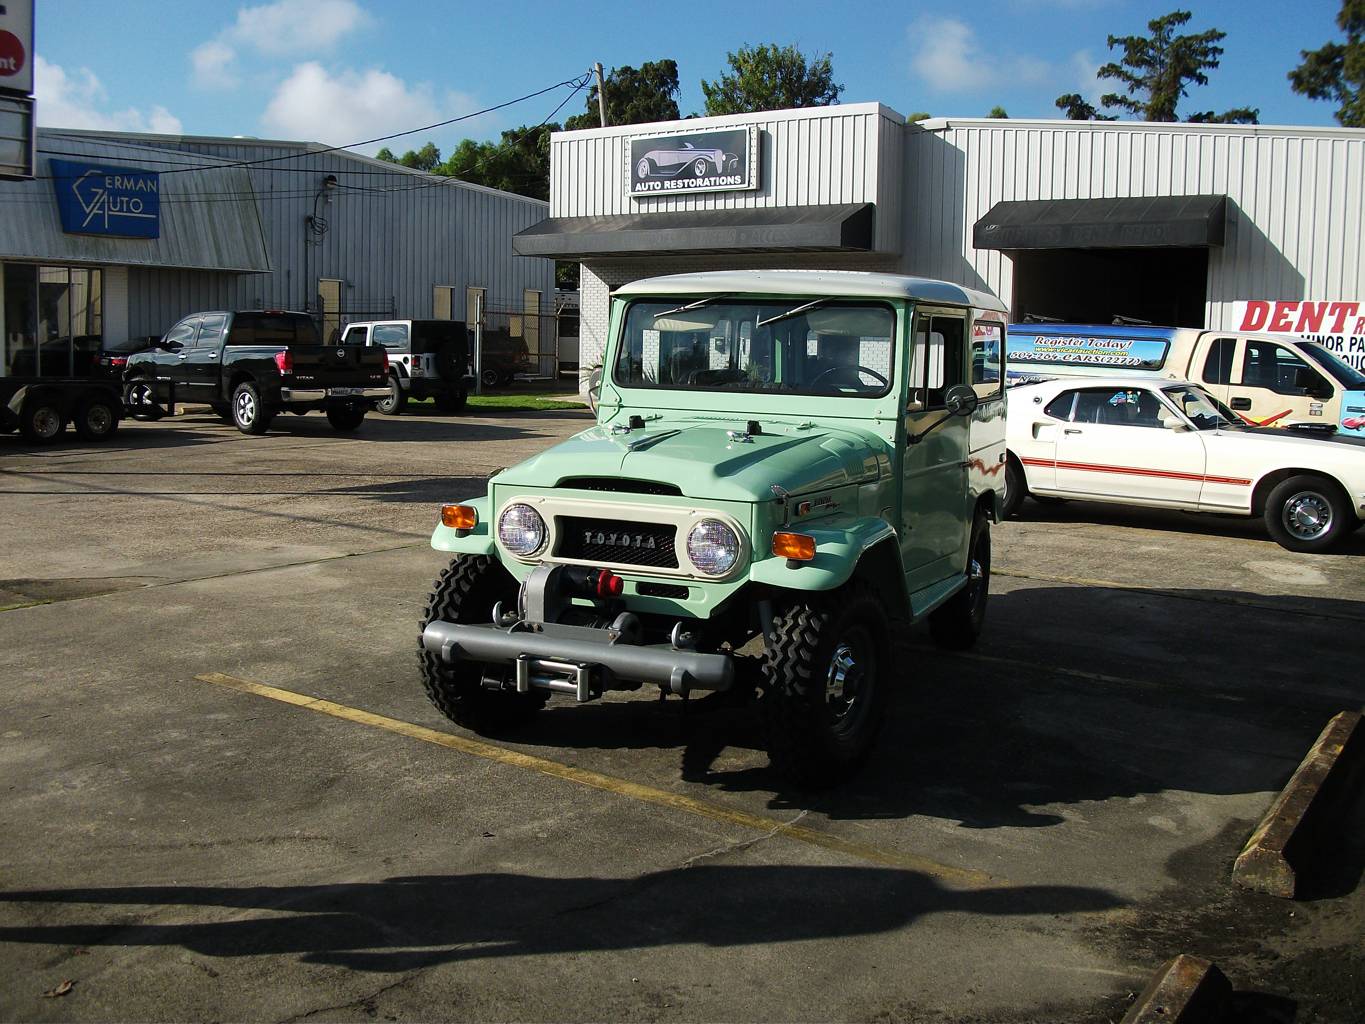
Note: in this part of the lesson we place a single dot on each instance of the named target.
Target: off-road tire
(96, 419)
(957, 623)
(809, 741)
(466, 591)
(345, 418)
(41, 421)
(1316, 495)
(395, 401)
(1016, 488)
(249, 414)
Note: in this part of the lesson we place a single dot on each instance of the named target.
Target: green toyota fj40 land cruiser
(809, 457)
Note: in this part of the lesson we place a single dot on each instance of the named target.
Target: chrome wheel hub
(246, 407)
(843, 680)
(1307, 515)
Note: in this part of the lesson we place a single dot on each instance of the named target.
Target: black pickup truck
(250, 365)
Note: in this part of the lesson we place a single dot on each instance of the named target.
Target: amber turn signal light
(796, 546)
(459, 517)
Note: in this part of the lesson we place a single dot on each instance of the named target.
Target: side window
(182, 333)
(940, 358)
(1118, 407)
(1274, 367)
(1060, 407)
(988, 348)
(391, 335)
(356, 336)
(211, 331)
(1218, 365)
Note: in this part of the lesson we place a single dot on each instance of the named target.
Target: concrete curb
(1186, 990)
(1274, 855)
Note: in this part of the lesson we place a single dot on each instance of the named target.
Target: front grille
(649, 589)
(619, 486)
(624, 543)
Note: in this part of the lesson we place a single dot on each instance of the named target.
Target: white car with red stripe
(1171, 444)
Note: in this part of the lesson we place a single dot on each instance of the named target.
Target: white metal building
(1083, 221)
(121, 235)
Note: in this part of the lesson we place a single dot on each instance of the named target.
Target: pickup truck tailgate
(338, 366)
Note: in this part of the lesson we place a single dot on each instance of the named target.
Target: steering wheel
(855, 370)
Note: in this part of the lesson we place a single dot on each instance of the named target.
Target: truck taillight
(285, 361)
(118, 361)
(385, 354)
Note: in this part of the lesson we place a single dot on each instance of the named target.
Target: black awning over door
(1161, 222)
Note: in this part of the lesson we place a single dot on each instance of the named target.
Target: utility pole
(601, 94)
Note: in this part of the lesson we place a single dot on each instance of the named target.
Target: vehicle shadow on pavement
(1002, 743)
(404, 923)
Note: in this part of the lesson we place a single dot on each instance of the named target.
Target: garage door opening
(1093, 286)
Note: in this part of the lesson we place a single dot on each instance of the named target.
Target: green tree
(999, 113)
(1336, 71)
(634, 96)
(386, 154)
(428, 158)
(1156, 71)
(772, 78)
(1075, 106)
(519, 162)
(919, 115)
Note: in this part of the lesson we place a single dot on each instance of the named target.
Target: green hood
(701, 459)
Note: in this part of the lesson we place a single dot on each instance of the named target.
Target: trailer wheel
(42, 421)
(825, 676)
(466, 592)
(96, 419)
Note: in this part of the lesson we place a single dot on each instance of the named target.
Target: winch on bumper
(585, 661)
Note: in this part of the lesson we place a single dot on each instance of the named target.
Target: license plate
(346, 391)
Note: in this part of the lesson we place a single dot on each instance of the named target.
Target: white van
(1269, 380)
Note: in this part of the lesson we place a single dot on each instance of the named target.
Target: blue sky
(338, 71)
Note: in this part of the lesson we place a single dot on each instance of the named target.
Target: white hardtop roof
(813, 283)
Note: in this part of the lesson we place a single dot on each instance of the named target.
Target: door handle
(1072, 430)
(1240, 404)
(183, 356)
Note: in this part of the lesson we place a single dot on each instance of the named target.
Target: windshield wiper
(790, 313)
(691, 305)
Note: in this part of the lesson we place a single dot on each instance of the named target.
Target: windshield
(1344, 373)
(798, 346)
(1202, 409)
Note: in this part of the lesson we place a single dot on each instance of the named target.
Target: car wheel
(345, 418)
(1307, 513)
(42, 421)
(248, 411)
(1016, 487)
(700, 168)
(140, 400)
(466, 592)
(489, 377)
(394, 402)
(644, 168)
(96, 419)
(957, 623)
(825, 674)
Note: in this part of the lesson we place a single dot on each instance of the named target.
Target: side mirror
(169, 346)
(961, 400)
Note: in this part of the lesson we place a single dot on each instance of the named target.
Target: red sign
(1303, 317)
(11, 54)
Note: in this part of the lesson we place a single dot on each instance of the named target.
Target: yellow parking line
(965, 877)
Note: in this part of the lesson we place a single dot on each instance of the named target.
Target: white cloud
(212, 62)
(1084, 69)
(286, 27)
(315, 105)
(76, 100)
(945, 53)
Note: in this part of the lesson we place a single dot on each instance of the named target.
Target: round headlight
(713, 547)
(521, 530)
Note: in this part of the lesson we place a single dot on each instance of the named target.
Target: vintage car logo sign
(718, 161)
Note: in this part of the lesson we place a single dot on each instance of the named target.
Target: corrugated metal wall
(391, 236)
(1295, 228)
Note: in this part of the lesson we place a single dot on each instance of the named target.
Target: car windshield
(800, 346)
(1202, 409)
(1345, 374)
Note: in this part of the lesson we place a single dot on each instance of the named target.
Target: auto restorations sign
(1338, 326)
(1066, 350)
(100, 199)
(716, 161)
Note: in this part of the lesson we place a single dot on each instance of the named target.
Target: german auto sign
(1337, 326)
(101, 199)
(16, 46)
(718, 161)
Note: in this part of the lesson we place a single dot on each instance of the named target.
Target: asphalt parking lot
(224, 795)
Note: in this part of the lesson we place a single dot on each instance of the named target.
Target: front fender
(478, 541)
(840, 542)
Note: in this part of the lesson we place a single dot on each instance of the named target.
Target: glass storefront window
(54, 322)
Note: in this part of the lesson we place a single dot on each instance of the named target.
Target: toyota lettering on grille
(638, 541)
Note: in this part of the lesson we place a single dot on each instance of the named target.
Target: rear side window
(1060, 407)
(1118, 407)
(356, 336)
(1218, 365)
(211, 331)
(273, 329)
(988, 347)
(390, 335)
